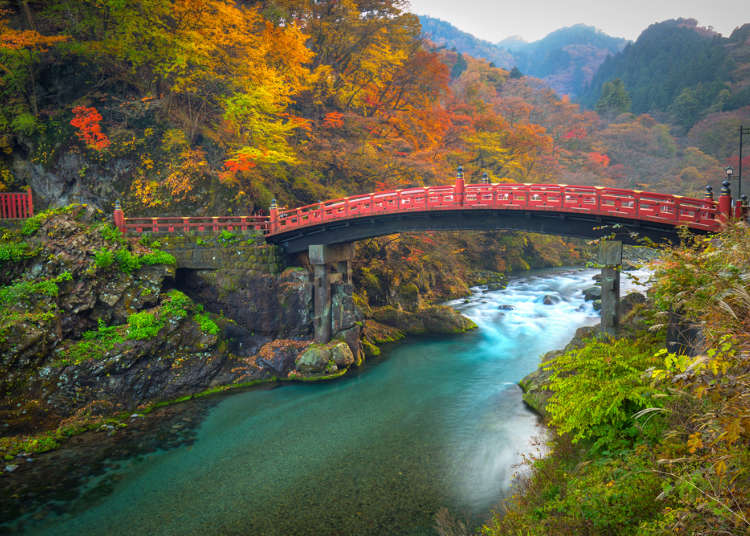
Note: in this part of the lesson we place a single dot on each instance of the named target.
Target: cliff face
(91, 323)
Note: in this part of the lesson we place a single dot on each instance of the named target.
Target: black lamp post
(744, 131)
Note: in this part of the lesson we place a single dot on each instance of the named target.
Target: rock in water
(342, 355)
(592, 293)
(314, 359)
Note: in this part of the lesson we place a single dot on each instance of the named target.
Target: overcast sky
(495, 20)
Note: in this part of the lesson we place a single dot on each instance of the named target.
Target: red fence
(675, 210)
(16, 205)
(184, 225)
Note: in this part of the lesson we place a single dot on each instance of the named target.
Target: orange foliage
(239, 163)
(333, 120)
(87, 120)
(599, 159)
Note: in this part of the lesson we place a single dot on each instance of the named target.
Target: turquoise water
(435, 422)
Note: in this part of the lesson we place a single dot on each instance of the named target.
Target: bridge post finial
(725, 201)
(119, 217)
(709, 195)
(485, 178)
(458, 189)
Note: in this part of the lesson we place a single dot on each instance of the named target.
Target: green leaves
(599, 387)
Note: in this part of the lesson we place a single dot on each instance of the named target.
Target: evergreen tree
(614, 99)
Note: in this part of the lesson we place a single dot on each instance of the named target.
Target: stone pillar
(331, 264)
(610, 257)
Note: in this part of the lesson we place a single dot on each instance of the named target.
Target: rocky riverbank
(95, 327)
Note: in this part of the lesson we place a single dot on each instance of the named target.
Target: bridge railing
(16, 205)
(675, 210)
(701, 214)
(192, 224)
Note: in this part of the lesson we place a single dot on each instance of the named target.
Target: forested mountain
(566, 59)
(445, 34)
(680, 70)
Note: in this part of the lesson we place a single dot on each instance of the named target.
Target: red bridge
(578, 211)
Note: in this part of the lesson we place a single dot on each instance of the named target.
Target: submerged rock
(550, 300)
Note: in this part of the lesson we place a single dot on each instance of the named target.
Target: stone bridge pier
(332, 289)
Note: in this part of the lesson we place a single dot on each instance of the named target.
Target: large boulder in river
(325, 358)
(437, 319)
(314, 359)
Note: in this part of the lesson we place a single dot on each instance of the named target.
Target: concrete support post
(610, 257)
(331, 264)
(321, 303)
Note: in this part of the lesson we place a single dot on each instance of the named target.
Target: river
(434, 422)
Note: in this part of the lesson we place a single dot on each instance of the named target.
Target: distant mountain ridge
(680, 69)
(566, 59)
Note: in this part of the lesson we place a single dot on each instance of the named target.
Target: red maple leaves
(86, 120)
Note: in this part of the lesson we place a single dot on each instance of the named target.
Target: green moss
(207, 325)
(158, 256)
(25, 290)
(176, 305)
(31, 225)
(95, 344)
(143, 325)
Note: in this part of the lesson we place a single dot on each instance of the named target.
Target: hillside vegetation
(645, 441)
(680, 70)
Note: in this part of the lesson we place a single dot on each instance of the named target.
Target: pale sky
(494, 20)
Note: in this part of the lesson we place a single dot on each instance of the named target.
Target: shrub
(104, 258)
(110, 233)
(226, 236)
(598, 388)
(13, 251)
(127, 261)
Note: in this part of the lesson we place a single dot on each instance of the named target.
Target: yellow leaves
(147, 192)
(694, 442)
(720, 468)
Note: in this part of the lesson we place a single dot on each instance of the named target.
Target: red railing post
(29, 203)
(459, 187)
(119, 217)
(725, 202)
